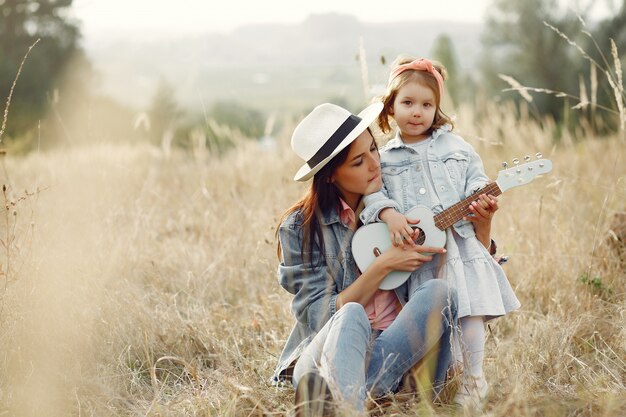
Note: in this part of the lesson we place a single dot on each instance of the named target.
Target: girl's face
(359, 174)
(414, 110)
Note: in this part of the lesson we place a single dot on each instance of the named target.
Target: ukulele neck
(461, 209)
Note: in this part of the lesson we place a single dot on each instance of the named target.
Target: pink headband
(421, 64)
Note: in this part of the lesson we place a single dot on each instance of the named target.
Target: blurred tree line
(55, 98)
(516, 41)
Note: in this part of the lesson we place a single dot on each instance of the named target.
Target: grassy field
(142, 283)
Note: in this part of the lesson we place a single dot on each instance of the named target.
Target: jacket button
(422, 191)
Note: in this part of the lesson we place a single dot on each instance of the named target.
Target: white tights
(472, 345)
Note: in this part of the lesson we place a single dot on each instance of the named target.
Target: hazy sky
(157, 18)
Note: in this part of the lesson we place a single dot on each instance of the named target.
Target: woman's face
(360, 172)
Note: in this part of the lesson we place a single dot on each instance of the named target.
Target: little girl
(428, 165)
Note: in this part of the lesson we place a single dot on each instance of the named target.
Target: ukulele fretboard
(461, 209)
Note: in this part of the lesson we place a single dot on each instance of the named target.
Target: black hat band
(331, 144)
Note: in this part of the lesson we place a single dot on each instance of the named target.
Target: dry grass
(149, 288)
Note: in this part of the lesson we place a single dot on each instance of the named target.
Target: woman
(350, 338)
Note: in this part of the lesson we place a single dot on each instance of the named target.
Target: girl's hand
(399, 229)
(483, 209)
(408, 258)
(482, 214)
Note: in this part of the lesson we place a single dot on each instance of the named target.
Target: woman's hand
(482, 214)
(399, 228)
(396, 258)
(408, 258)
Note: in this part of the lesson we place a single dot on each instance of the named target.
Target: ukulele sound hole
(377, 252)
(421, 238)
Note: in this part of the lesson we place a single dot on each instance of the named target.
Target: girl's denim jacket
(315, 290)
(456, 170)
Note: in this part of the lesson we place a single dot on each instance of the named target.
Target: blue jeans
(354, 360)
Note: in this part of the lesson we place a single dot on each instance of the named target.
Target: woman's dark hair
(321, 197)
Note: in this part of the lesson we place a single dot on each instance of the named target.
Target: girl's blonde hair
(422, 77)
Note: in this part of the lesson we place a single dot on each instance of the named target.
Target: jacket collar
(332, 216)
(397, 142)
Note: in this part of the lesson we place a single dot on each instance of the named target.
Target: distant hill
(262, 65)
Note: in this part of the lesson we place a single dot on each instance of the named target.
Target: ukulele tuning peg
(515, 161)
(539, 155)
(505, 164)
(527, 158)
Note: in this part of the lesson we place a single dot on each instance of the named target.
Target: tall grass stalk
(364, 70)
(10, 96)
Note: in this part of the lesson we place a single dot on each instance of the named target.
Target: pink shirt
(384, 306)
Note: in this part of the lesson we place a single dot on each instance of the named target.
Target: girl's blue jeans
(355, 360)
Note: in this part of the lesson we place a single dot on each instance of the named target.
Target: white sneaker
(472, 392)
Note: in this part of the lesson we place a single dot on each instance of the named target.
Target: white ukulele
(371, 240)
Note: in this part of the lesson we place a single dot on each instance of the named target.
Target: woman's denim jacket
(456, 169)
(315, 290)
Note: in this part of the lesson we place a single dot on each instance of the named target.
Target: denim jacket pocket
(396, 179)
(456, 164)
